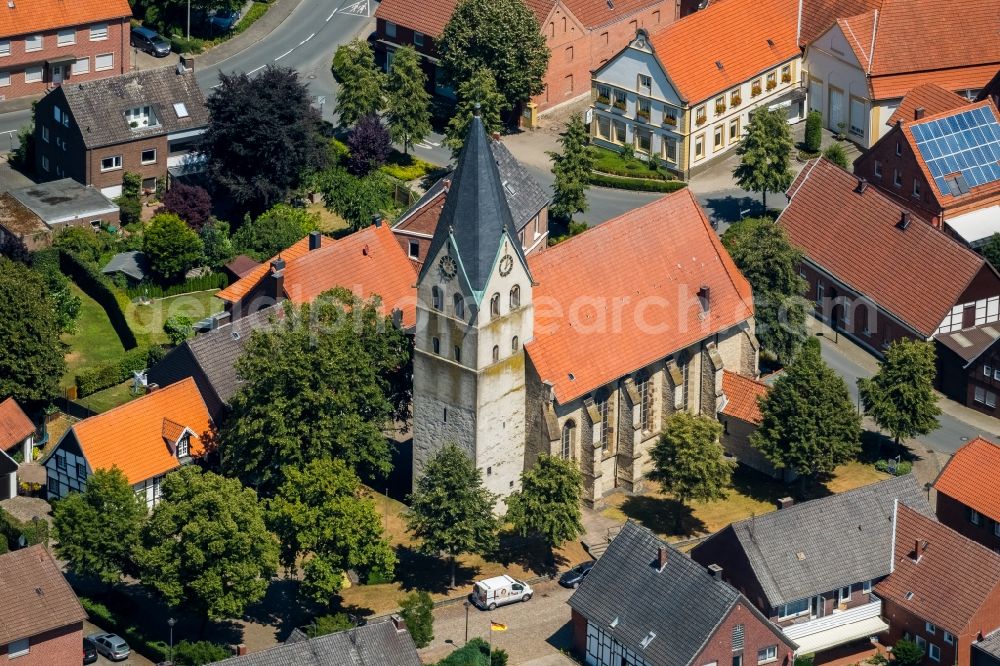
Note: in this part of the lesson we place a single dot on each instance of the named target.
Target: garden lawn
(109, 398)
(611, 162)
(146, 321)
(329, 222)
(94, 341)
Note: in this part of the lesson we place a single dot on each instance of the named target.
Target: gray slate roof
(133, 264)
(65, 200)
(970, 343)
(371, 645)
(683, 604)
(990, 645)
(843, 539)
(475, 215)
(525, 196)
(99, 107)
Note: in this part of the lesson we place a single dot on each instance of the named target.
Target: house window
(568, 436)
(620, 131)
(418, 39)
(603, 95)
(996, 528)
(4, 79)
(569, 54)
(45, 133)
(670, 116)
(18, 648)
(644, 110)
(949, 638)
(699, 115)
(620, 101)
(66, 37)
(734, 130)
(33, 43)
(922, 642)
(755, 87)
(930, 628)
(45, 162)
(699, 146)
(4, 47)
(735, 99)
(845, 594)
(81, 66)
(899, 147)
(33, 74)
(54, 486)
(974, 516)
(61, 463)
(495, 305)
(738, 632)
(916, 188)
(786, 74)
(148, 156)
(794, 609)
(458, 353)
(181, 110)
(718, 138)
(104, 61)
(98, 32)
(604, 128)
(866, 587)
(767, 654)
(81, 470)
(390, 29)
(987, 371)
(436, 345)
(515, 344)
(720, 105)
(772, 80)
(645, 387)
(643, 140)
(645, 83)
(897, 178)
(459, 304)
(878, 169)
(496, 353)
(668, 147)
(515, 297)
(437, 300)
(934, 652)
(414, 250)
(183, 447)
(604, 426)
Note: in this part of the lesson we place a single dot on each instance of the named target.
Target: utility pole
(189, 20)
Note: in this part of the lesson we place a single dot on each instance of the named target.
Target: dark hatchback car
(224, 19)
(89, 651)
(575, 576)
(150, 41)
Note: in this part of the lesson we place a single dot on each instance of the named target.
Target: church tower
(474, 315)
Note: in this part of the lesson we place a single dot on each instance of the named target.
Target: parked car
(89, 651)
(575, 576)
(111, 646)
(499, 591)
(150, 41)
(225, 19)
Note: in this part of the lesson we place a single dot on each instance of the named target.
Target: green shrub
(907, 653)
(328, 624)
(637, 184)
(12, 529)
(378, 578)
(407, 169)
(814, 131)
(339, 150)
(181, 44)
(903, 467)
(197, 653)
(106, 375)
(178, 328)
(417, 611)
(620, 164)
(256, 10)
(498, 657)
(835, 153)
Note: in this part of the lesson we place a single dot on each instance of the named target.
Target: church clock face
(448, 267)
(506, 265)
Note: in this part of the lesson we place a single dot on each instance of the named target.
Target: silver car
(111, 646)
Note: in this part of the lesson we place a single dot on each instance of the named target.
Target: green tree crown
(765, 154)
(900, 397)
(171, 246)
(572, 170)
(548, 503)
(481, 89)
(362, 85)
(409, 102)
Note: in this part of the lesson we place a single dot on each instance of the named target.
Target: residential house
(143, 122)
(45, 43)
(377, 644)
(862, 66)
(968, 496)
(684, 100)
(33, 214)
(17, 438)
(864, 254)
(146, 439)
(646, 603)
(41, 620)
(943, 591)
(740, 416)
(811, 567)
(966, 360)
(528, 203)
(210, 358)
(580, 35)
(945, 165)
(986, 652)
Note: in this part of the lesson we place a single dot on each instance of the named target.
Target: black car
(575, 576)
(89, 651)
(150, 41)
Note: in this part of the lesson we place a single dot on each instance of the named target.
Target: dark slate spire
(475, 214)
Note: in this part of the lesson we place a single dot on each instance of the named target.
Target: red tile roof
(246, 284)
(595, 13)
(431, 16)
(818, 16)
(954, 578)
(14, 424)
(930, 97)
(132, 437)
(733, 33)
(425, 219)
(30, 16)
(242, 264)
(742, 394)
(36, 597)
(855, 238)
(959, 78)
(971, 477)
(624, 294)
(368, 262)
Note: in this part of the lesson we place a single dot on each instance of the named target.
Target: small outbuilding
(133, 265)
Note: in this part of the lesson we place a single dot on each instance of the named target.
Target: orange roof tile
(959, 78)
(14, 424)
(733, 33)
(930, 97)
(952, 582)
(742, 394)
(368, 262)
(431, 16)
(970, 477)
(624, 294)
(252, 278)
(818, 16)
(425, 219)
(30, 16)
(131, 437)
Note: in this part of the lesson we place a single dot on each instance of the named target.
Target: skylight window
(181, 110)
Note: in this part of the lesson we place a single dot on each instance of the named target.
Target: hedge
(101, 615)
(106, 375)
(637, 184)
(644, 174)
(12, 529)
(97, 285)
(201, 283)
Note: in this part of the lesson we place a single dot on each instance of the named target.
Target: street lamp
(189, 21)
(171, 621)
(466, 604)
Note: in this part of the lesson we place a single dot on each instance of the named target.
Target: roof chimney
(151, 387)
(495, 136)
(904, 220)
(315, 240)
(661, 558)
(918, 549)
(716, 571)
(785, 502)
(705, 297)
(276, 288)
(398, 622)
(918, 113)
(862, 185)
(377, 220)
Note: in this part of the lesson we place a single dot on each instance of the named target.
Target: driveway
(133, 660)
(536, 630)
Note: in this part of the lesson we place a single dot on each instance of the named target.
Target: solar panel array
(967, 143)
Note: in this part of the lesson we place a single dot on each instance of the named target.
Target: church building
(581, 350)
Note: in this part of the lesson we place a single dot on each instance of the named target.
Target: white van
(493, 592)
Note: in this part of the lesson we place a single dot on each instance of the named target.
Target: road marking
(257, 69)
(308, 38)
(359, 8)
(283, 55)
(330, 17)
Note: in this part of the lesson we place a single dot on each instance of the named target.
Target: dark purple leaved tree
(189, 202)
(369, 143)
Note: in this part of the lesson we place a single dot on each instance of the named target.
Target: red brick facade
(757, 636)
(53, 64)
(960, 383)
(957, 516)
(59, 646)
(903, 624)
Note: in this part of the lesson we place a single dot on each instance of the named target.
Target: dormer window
(184, 446)
(140, 117)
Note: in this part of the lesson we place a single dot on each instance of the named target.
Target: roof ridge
(722, 254)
